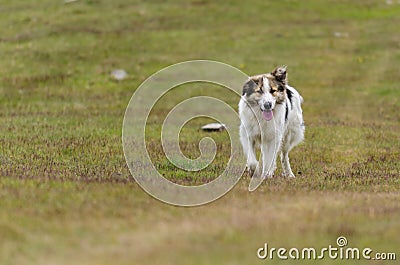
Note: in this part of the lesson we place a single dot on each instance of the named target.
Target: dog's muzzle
(266, 110)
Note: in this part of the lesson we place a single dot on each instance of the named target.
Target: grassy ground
(66, 195)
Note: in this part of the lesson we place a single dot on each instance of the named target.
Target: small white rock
(341, 34)
(119, 74)
(214, 127)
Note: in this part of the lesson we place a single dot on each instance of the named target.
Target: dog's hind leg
(291, 139)
(287, 171)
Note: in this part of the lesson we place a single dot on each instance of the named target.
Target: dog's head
(266, 90)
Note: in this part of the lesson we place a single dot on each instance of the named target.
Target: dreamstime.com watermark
(134, 132)
(340, 251)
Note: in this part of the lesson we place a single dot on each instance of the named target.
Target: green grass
(66, 195)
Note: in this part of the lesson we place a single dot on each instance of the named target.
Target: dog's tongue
(267, 115)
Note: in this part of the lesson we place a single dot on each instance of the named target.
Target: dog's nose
(267, 105)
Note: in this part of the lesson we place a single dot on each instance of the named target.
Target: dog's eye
(260, 91)
(272, 91)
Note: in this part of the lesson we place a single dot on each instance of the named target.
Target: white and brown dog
(272, 120)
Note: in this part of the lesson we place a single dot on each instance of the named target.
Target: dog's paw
(250, 172)
(268, 175)
(251, 167)
(256, 173)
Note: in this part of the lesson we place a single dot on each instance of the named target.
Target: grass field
(66, 194)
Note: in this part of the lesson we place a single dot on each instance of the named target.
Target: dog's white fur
(280, 134)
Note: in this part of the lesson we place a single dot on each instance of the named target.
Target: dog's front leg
(269, 153)
(248, 148)
(251, 157)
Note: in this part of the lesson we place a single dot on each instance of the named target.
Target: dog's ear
(250, 86)
(280, 73)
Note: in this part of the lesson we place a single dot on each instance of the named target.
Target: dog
(272, 120)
